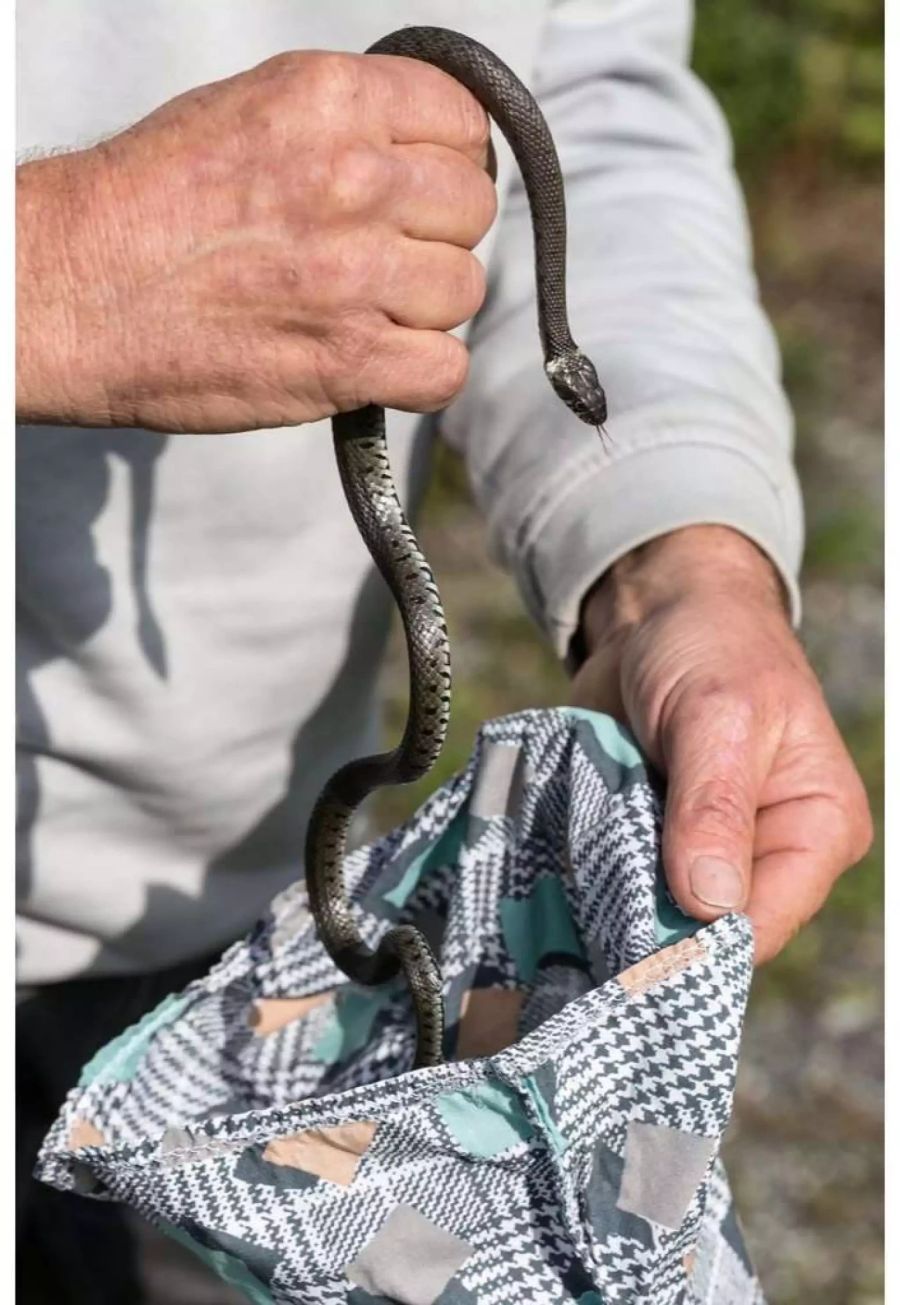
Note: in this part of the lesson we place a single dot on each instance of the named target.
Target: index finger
(426, 105)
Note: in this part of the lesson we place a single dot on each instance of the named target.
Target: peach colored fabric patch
(662, 965)
(489, 1021)
(689, 1261)
(83, 1133)
(270, 1014)
(330, 1153)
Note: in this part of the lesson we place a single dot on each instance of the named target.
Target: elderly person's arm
(664, 566)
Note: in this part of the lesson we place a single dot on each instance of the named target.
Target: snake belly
(362, 456)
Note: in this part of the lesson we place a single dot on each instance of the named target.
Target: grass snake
(362, 456)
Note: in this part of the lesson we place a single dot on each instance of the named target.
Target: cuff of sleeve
(610, 506)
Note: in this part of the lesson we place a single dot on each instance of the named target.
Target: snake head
(575, 380)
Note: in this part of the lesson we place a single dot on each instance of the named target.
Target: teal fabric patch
(350, 1023)
(443, 851)
(612, 737)
(590, 1298)
(228, 1267)
(119, 1059)
(671, 924)
(484, 1119)
(544, 1114)
(538, 926)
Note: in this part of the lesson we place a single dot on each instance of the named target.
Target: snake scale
(362, 457)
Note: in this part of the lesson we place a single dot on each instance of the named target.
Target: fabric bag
(567, 1152)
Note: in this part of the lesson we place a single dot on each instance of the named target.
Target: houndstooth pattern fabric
(268, 1115)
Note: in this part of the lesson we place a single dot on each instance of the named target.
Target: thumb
(711, 807)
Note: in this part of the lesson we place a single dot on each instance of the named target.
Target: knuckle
(474, 121)
(853, 824)
(468, 286)
(772, 932)
(464, 114)
(319, 88)
(717, 807)
(331, 80)
(276, 87)
(355, 341)
(356, 177)
(731, 706)
(284, 64)
(714, 706)
(486, 209)
(477, 282)
(449, 367)
(861, 827)
(346, 356)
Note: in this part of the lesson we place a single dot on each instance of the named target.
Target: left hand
(688, 641)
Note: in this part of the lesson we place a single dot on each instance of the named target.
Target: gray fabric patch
(498, 784)
(663, 1169)
(410, 1259)
(607, 1220)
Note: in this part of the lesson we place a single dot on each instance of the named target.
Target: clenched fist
(263, 251)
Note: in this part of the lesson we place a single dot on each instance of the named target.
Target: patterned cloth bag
(267, 1117)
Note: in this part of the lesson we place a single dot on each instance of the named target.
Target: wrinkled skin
(688, 640)
(267, 250)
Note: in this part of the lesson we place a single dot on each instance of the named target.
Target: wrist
(58, 378)
(704, 563)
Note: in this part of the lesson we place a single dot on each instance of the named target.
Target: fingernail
(717, 882)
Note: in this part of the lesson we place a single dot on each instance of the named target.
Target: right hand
(267, 250)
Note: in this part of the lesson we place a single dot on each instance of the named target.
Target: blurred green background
(801, 82)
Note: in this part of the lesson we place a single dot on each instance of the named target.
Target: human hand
(263, 251)
(687, 640)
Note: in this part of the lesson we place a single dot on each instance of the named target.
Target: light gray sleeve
(662, 297)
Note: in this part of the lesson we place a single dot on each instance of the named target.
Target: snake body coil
(361, 450)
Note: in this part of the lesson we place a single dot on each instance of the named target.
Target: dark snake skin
(361, 449)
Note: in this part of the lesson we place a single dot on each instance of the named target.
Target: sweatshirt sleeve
(662, 297)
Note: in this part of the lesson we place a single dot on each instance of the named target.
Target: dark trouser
(71, 1250)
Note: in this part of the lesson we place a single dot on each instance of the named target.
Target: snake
(361, 452)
